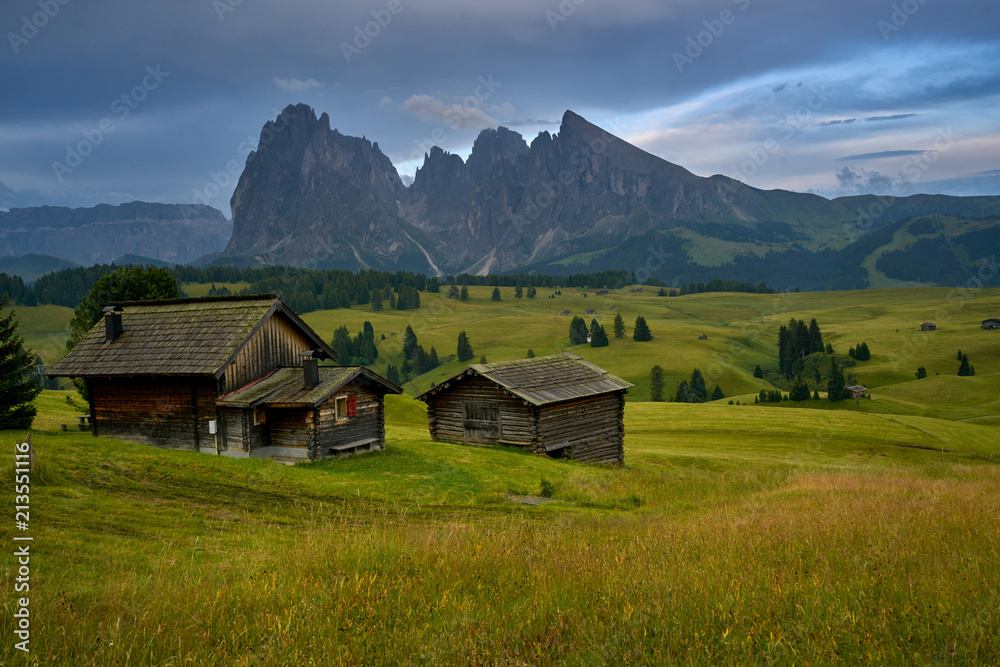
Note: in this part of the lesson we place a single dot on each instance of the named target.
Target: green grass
(732, 535)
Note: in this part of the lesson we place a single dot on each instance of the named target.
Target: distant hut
(566, 312)
(233, 376)
(591, 311)
(928, 326)
(602, 292)
(857, 391)
(559, 405)
(702, 337)
(992, 323)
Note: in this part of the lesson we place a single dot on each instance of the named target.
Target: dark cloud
(895, 117)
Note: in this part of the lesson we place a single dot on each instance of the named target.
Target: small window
(259, 417)
(342, 412)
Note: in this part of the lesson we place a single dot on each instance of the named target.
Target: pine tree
(392, 374)
(496, 294)
(577, 331)
(921, 373)
(482, 358)
(432, 359)
(392, 301)
(453, 292)
(531, 354)
(464, 347)
(598, 337)
(409, 343)
(464, 294)
(682, 392)
(815, 337)
(835, 385)
(619, 326)
(799, 392)
(698, 389)
(717, 393)
(376, 301)
(758, 372)
(518, 292)
(965, 369)
(641, 331)
(829, 348)
(656, 383)
(816, 395)
(341, 344)
(960, 355)
(18, 389)
(531, 292)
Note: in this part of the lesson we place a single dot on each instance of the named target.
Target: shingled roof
(284, 388)
(179, 337)
(543, 380)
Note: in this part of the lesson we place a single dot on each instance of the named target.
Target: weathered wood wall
(237, 432)
(446, 414)
(292, 427)
(367, 428)
(591, 429)
(276, 343)
(161, 411)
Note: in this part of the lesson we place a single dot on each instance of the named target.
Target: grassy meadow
(855, 533)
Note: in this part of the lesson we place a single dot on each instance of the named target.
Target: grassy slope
(733, 535)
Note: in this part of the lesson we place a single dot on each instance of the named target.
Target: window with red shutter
(352, 406)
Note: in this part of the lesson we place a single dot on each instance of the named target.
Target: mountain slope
(311, 196)
(99, 235)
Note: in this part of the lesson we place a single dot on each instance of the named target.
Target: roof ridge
(197, 299)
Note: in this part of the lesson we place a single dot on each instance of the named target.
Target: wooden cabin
(928, 326)
(559, 405)
(992, 323)
(856, 390)
(234, 376)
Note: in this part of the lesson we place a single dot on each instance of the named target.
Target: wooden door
(482, 422)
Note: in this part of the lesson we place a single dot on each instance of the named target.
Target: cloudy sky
(156, 100)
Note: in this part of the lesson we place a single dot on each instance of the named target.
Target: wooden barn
(558, 405)
(928, 326)
(234, 376)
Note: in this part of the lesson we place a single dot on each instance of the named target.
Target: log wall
(276, 343)
(366, 429)
(161, 411)
(446, 414)
(591, 430)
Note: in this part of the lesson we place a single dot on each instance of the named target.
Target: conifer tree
(464, 347)
(482, 358)
(682, 392)
(18, 389)
(619, 326)
(496, 294)
(921, 373)
(453, 292)
(698, 389)
(531, 354)
(464, 294)
(835, 385)
(531, 292)
(656, 383)
(409, 343)
(598, 337)
(965, 369)
(577, 331)
(717, 393)
(392, 374)
(641, 331)
(376, 300)
(758, 372)
(518, 292)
